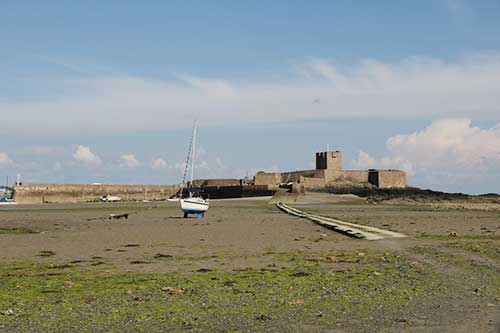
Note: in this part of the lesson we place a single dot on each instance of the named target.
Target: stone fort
(329, 170)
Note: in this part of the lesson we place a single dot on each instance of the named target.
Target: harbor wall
(217, 182)
(62, 193)
(245, 191)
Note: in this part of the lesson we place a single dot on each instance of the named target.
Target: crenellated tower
(329, 160)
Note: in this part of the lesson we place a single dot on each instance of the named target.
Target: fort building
(329, 170)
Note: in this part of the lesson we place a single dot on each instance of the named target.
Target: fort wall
(359, 176)
(294, 176)
(267, 178)
(390, 178)
(333, 175)
(312, 183)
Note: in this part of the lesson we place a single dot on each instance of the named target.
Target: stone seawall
(40, 193)
(217, 182)
(245, 191)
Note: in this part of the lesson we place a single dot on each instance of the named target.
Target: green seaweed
(17, 231)
(490, 249)
(45, 298)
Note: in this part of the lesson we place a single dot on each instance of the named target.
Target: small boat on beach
(193, 203)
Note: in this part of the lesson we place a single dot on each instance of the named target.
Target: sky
(107, 91)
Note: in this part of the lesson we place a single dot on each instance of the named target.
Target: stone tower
(331, 160)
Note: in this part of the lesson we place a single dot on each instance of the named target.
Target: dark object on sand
(161, 255)
(46, 253)
(118, 216)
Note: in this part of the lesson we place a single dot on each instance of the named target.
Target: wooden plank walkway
(350, 229)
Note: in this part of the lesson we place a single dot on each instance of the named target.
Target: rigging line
(187, 164)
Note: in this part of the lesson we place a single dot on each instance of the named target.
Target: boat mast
(186, 167)
(193, 152)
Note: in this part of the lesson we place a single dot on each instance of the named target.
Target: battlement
(331, 160)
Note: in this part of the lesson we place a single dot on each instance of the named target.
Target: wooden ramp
(346, 228)
(284, 196)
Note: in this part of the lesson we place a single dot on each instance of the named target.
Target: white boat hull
(194, 205)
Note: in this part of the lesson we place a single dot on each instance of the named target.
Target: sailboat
(193, 203)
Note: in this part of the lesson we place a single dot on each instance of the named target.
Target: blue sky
(106, 91)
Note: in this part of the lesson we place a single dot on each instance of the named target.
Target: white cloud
(414, 86)
(365, 161)
(85, 156)
(5, 160)
(159, 163)
(174, 168)
(449, 143)
(451, 147)
(129, 160)
(204, 167)
(177, 168)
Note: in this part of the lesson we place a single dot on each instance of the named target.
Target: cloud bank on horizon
(413, 87)
(449, 148)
